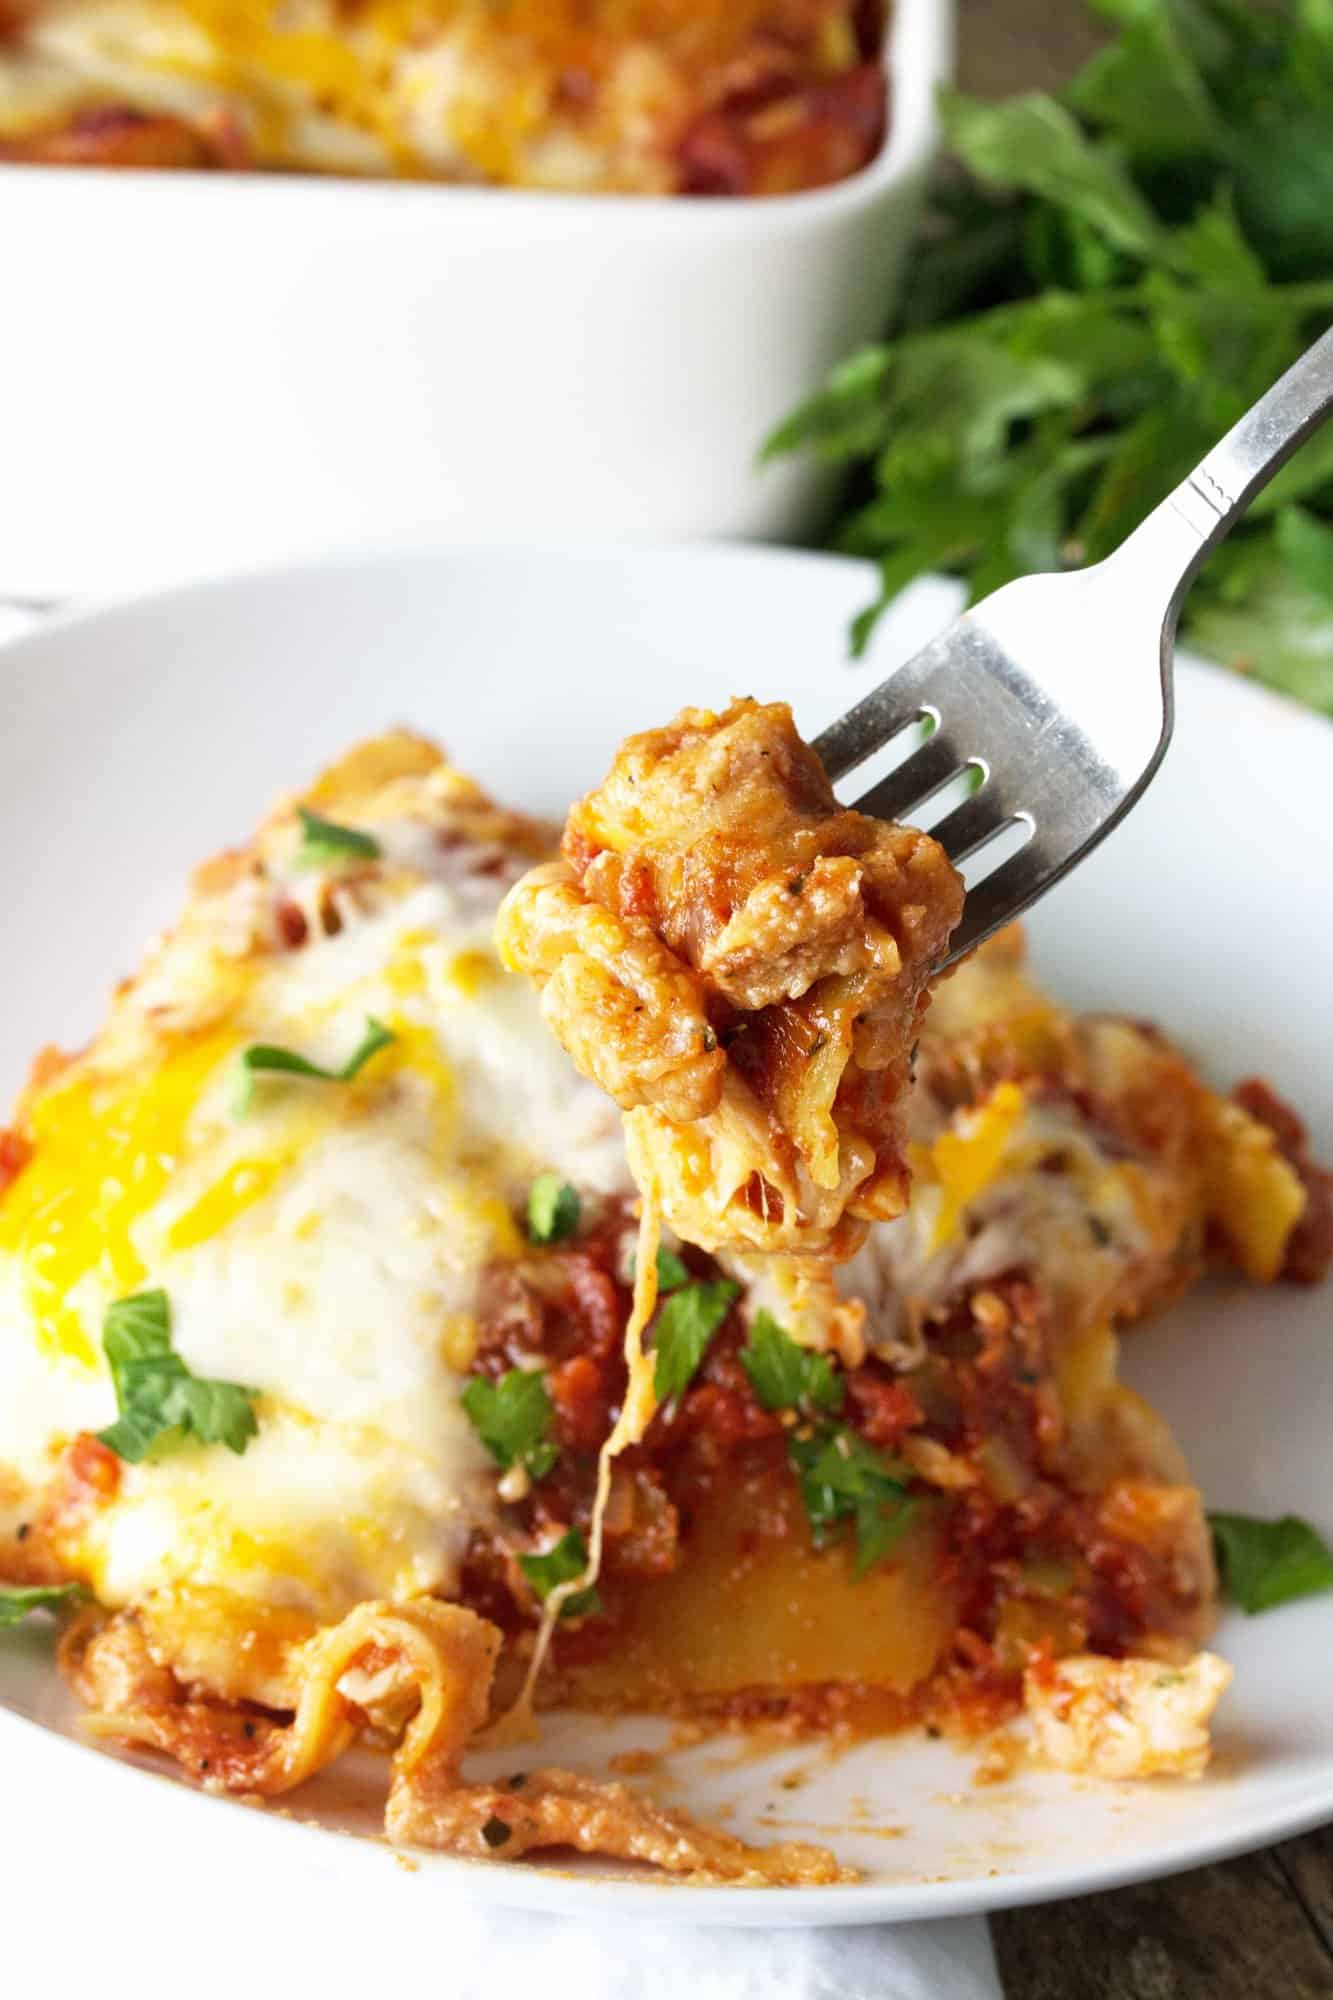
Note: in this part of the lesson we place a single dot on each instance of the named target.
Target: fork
(1041, 692)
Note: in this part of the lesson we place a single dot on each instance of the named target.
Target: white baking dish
(199, 371)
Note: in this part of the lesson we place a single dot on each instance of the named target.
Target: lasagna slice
(903, 1492)
(638, 96)
(253, 1241)
(315, 1270)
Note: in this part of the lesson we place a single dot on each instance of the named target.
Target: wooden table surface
(1260, 1928)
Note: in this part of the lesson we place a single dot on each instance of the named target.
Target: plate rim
(561, 1892)
(53, 619)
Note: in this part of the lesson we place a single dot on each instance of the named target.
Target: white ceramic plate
(139, 739)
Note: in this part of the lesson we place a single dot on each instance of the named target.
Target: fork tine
(890, 708)
(970, 824)
(1001, 897)
(915, 779)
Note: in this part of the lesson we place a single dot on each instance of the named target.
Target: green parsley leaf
(671, 1273)
(1212, 248)
(553, 1209)
(324, 841)
(1306, 544)
(513, 1418)
(1127, 268)
(155, 1391)
(267, 1058)
(843, 1479)
(786, 1376)
(880, 1526)
(18, 1600)
(1267, 1563)
(1148, 89)
(682, 1330)
(131, 1437)
(564, 1562)
(137, 1328)
(1033, 145)
(1253, 609)
(846, 418)
(214, 1412)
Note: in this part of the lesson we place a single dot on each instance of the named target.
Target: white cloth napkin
(298, 1924)
(614, 1961)
(185, 1894)
(493, 1955)
(15, 619)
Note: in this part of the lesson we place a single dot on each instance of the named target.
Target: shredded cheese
(518, 1724)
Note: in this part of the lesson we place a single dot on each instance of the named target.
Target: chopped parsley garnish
(18, 1601)
(564, 1562)
(1267, 1563)
(553, 1209)
(323, 840)
(682, 1330)
(155, 1391)
(266, 1058)
(786, 1376)
(513, 1418)
(671, 1273)
(844, 1479)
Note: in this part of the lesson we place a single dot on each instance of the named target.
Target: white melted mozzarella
(1077, 1226)
(324, 1246)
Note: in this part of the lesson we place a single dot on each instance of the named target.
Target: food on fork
(315, 1271)
(743, 965)
(713, 97)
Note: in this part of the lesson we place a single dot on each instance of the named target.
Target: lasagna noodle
(436, 1662)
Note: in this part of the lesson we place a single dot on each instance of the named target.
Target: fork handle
(1257, 447)
(1192, 520)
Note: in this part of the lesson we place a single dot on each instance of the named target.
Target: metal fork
(1043, 690)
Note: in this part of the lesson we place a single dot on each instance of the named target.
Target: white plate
(139, 739)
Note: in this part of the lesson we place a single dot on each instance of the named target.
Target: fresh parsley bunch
(1121, 273)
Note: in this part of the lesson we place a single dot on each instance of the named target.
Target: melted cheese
(982, 1204)
(636, 1413)
(321, 1244)
(966, 1158)
(464, 90)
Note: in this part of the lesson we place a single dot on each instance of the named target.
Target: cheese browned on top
(632, 96)
(744, 965)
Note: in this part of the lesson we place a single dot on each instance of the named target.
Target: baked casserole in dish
(606, 96)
